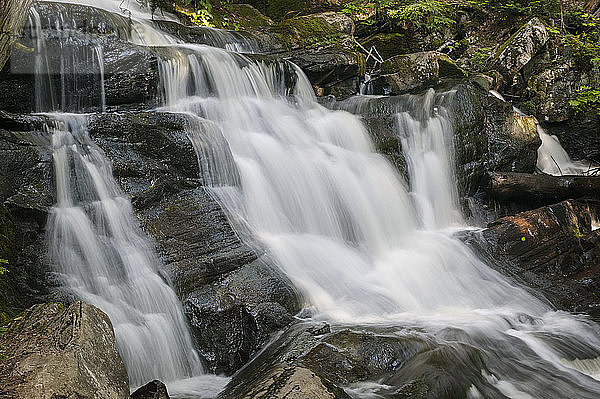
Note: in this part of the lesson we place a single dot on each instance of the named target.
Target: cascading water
(96, 246)
(103, 258)
(551, 156)
(335, 215)
(341, 224)
(554, 160)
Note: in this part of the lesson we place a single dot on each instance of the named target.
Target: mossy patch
(307, 31)
(388, 44)
(278, 9)
(240, 17)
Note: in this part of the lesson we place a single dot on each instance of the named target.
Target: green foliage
(586, 49)
(587, 100)
(201, 14)
(429, 14)
(432, 15)
(481, 56)
(549, 8)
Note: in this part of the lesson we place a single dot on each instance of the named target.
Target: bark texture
(13, 14)
(543, 188)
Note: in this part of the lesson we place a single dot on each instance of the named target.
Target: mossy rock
(305, 31)
(415, 72)
(520, 48)
(7, 253)
(240, 17)
(388, 44)
(277, 9)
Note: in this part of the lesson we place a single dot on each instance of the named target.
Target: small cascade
(104, 259)
(552, 157)
(68, 70)
(554, 160)
(428, 146)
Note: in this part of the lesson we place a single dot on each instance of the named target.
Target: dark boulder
(233, 317)
(149, 151)
(152, 390)
(57, 352)
(413, 73)
(400, 364)
(512, 138)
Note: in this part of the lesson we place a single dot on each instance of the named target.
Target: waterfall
(551, 156)
(427, 143)
(341, 223)
(103, 258)
(365, 246)
(554, 160)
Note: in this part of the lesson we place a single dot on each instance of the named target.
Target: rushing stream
(366, 247)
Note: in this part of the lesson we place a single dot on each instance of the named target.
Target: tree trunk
(13, 14)
(593, 7)
(543, 188)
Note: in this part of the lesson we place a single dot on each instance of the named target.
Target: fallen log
(543, 188)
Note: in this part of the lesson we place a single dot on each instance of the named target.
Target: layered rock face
(552, 249)
(52, 351)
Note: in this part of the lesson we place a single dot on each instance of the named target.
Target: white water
(428, 148)
(104, 259)
(552, 157)
(341, 223)
(343, 227)
(554, 160)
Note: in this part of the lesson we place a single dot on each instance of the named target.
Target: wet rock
(415, 72)
(512, 138)
(383, 132)
(468, 110)
(152, 390)
(196, 239)
(233, 317)
(53, 352)
(26, 195)
(551, 249)
(150, 152)
(397, 364)
(233, 299)
(517, 51)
